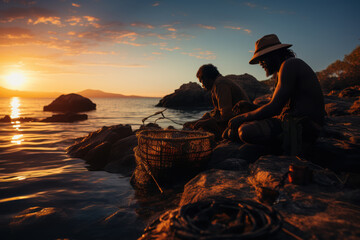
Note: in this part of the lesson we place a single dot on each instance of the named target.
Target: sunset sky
(150, 48)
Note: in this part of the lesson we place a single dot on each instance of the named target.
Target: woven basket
(168, 151)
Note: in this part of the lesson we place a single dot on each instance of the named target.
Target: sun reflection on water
(15, 114)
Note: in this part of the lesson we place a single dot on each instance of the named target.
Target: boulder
(350, 92)
(251, 85)
(67, 117)
(70, 103)
(355, 108)
(213, 183)
(335, 106)
(5, 119)
(189, 96)
(338, 147)
(106, 145)
(231, 150)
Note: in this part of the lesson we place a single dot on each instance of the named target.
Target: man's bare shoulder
(293, 62)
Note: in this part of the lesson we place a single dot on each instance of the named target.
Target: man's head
(270, 53)
(207, 75)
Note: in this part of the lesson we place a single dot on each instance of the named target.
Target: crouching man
(295, 115)
(225, 95)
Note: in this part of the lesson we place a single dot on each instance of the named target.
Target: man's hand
(235, 122)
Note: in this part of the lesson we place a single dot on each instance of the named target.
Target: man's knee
(245, 132)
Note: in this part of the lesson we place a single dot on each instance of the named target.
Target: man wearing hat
(296, 109)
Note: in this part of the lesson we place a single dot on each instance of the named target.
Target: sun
(15, 80)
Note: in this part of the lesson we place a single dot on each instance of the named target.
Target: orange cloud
(170, 49)
(12, 14)
(90, 18)
(156, 4)
(206, 27)
(201, 54)
(231, 27)
(238, 28)
(46, 20)
(15, 33)
(142, 25)
(75, 5)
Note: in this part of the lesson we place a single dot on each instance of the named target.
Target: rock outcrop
(324, 208)
(109, 148)
(67, 117)
(189, 96)
(70, 103)
(251, 85)
(192, 95)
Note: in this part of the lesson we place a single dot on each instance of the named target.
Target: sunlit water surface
(45, 194)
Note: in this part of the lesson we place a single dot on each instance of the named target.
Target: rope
(218, 219)
(162, 117)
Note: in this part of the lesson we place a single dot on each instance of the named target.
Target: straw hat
(265, 45)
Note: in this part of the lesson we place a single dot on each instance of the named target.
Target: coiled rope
(217, 219)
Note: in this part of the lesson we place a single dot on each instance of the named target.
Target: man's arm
(224, 102)
(282, 93)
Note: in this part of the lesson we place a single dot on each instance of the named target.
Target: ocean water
(45, 194)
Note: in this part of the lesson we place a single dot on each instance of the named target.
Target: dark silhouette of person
(225, 94)
(296, 109)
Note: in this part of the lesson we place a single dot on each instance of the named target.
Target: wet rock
(121, 156)
(70, 103)
(5, 119)
(213, 183)
(108, 144)
(337, 107)
(97, 157)
(189, 96)
(67, 117)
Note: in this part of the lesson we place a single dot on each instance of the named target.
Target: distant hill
(89, 93)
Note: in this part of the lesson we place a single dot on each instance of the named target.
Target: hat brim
(255, 58)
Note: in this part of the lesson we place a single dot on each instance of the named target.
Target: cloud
(47, 20)
(201, 54)
(157, 53)
(15, 33)
(15, 13)
(142, 25)
(231, 27)
(115, 65)
(155, 4)
(171, 29)
(269, 10)
(238, 28)
(23, 2)
(247, 30)
(249, 4)
(83, 21)
(206, 26)
(170, 49)
(75, 5)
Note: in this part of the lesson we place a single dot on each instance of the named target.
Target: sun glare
(15, 80)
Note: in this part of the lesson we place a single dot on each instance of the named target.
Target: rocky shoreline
(325, 208)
